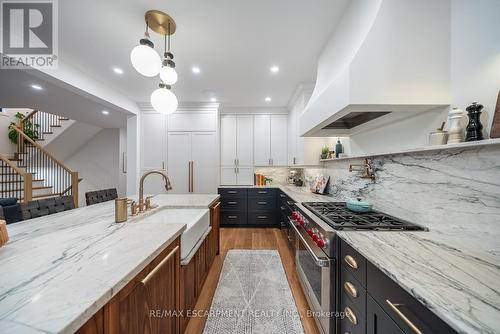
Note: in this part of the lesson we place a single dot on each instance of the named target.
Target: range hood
(385, 61)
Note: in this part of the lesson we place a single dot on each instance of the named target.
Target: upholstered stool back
(45, 207)
(99, 196)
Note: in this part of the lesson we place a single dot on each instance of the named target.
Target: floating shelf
(470, 144)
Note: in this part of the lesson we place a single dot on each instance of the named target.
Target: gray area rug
(253, 296)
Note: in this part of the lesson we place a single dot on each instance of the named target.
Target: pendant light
(144, 58)
(163, 100)
(167, 73)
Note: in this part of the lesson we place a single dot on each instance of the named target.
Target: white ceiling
(233, 42)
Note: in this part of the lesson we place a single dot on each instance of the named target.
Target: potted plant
(324, 152)
(30, 129)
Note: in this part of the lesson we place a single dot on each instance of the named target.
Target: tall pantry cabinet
(184, 145)
(236, 149)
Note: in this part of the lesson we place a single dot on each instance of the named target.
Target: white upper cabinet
(244, 143)
(228, 140)
(179, 156)
(270, 140)
(236, 149)
(154, 140)
(204, 157)
(279, 147)
(262, 140)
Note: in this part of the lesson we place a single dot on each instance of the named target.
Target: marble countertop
(59, 270)
(454, 274)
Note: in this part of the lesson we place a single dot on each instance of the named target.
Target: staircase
(32, 172)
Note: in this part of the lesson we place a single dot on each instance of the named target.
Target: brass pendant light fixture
(148, 62)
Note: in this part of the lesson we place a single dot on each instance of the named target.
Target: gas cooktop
(339, 217)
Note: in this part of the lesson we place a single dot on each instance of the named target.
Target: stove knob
(301, 221)
(310, 232)
(295, 215)
(320, 243)
(315, 237)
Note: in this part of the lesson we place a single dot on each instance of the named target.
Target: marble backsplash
(449, 186)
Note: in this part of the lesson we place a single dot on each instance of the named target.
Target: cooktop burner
(339, 217)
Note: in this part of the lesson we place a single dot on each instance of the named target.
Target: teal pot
(359, 206)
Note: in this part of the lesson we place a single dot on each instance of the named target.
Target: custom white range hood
(385, 61)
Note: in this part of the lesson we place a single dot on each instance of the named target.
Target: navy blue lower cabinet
(249, 207)
(377, 321)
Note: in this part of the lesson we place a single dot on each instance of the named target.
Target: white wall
(475, 61)
(6, 117)
(98, 163)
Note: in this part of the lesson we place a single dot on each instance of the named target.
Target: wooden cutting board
(495, 127)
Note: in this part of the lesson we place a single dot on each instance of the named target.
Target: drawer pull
(262, 217)
(262, 203)
(400, 314)
(232, 203)
(262, 192)
(351, 262)
(232, 192)
(350, 315)
(351, 289)
(146, 279)
(232, 217)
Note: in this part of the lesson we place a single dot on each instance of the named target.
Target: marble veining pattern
(454, 269)
(58, 270)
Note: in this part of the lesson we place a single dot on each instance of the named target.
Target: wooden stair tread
(44, 196)
(22, 189)
(20, 180)
(55, 126)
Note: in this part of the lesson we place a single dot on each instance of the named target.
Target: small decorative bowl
(359, 206)
(4, 235)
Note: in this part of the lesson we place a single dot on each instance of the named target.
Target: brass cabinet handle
(400, 314)
(351, 262)
(232, 192)
(350, 315)
(261, 203)
(262, 217)
(232, 217)
(350, 289)
(232, 202)
(262, 192)
(146, 279)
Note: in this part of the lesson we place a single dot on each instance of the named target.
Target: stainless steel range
(315, 225)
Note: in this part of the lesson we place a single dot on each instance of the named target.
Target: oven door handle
(320, 262)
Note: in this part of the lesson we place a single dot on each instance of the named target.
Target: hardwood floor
(251, 238)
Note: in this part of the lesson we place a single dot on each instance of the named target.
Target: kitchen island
(58, 271)
(453, 270)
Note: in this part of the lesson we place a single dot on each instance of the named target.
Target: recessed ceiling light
(105, 112)
(268, 99)
(196, 69)
(275, 69)
(213, 99)
(36, 87)
(117, 70)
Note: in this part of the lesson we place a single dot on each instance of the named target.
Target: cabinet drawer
(233, 192)
(353, 261)
(261, 218)
(354, 321)
(352, 289)
(377, 321)
(234, 204)
(261, 192)
(266, 204)
(233, 218)
(406, 311)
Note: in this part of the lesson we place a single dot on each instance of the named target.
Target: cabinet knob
(351, 289)
(351, 262)
(349, 313)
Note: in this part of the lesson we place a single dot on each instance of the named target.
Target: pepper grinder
(474, 128)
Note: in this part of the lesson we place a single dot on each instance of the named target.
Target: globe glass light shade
(145, 60)
(168, 75)
(164, 101)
